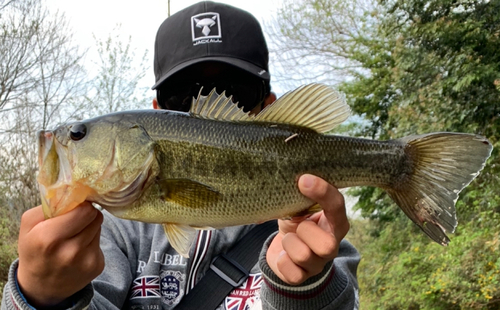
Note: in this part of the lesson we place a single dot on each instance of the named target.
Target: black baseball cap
(210, 31)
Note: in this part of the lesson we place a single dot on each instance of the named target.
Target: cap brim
(241, 64)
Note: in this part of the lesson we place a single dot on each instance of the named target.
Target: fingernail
(308, 181)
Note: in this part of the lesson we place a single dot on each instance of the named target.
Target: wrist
(14, 299)
(316, 292)
(79, 300)
(36, 298)
(311, 288)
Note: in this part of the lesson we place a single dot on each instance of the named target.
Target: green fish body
(217, 166)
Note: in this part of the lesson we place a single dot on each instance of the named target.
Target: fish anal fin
(181, 237)
(188, 193)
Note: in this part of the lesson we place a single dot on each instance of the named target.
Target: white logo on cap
(205, 28)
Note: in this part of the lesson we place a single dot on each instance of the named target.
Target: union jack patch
(146, 287)
(246, 296)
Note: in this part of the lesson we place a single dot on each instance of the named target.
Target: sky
(139, 19)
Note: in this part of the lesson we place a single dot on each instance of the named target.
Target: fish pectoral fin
(189, 193)
(181, 237)
(311, 210)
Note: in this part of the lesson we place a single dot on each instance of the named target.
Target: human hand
(59, 256)
(303, 246)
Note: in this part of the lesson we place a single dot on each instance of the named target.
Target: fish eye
(78, 132)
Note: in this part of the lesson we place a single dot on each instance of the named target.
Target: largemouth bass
(217, 166)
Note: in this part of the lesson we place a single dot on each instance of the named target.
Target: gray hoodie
(144, 272)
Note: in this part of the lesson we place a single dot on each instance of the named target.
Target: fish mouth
(60, 192)
(57, 191)
(48, 167)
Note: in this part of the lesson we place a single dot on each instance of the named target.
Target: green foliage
(425, 66)
(402, 269)
(440, 73)
(435, 61)
(435, 66)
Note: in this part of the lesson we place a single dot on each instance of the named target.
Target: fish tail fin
(443, 164)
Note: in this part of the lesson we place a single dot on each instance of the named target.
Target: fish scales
(217, 166)
(254, 169)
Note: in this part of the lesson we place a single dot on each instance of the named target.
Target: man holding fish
(209, 175)
(73, 256)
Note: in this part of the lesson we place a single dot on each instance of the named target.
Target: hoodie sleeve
(13, 298)
(336, 287)
(108, 291)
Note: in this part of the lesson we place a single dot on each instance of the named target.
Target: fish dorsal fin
(316, 106)
(218, 107)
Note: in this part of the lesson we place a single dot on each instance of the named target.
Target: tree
(315, 40)
(39, 66)
(43, 84)
(116, 84)
(40, 78)
(444, 67)
(425, 66)
(39, 73)
(440, 72)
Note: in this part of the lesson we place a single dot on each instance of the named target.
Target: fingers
(94, 260)
(301, 254)
(320, 191)
(59, 256)
(286, 269)
(322, 243)
(72, 223)
(330, 199)
(305, 245)
(307, 252)
(282, 265)
(89, 233)
(65, 235)
(80, 247)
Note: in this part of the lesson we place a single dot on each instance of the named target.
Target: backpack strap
(228, 270)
